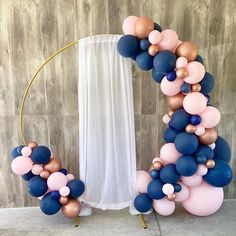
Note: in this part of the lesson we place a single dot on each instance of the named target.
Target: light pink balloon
(168, 153)
(179, 42)
(192, 181)
(202, 170)
(183, 194)
(156, 159)
(168, 189)
(210, 117)
(196, 72)
(164, 207)
(166, 119)
(169, 40)
(143, 179)
(64, 191)
(154, 37)
(37, 169)
(70, 177)
(171, 88)
(200, 130)
(212, 146)
(194, 103)
(181, 62)
(204, 200)
(21, 165)
(56, 180)
(26, 151)
(128, 25)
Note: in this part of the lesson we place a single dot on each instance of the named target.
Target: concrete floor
(31, 222)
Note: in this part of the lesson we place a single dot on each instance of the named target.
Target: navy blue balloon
(219, 176)
(144, 44)
(128, 46)
(168, 174)
(37, 186)
(204, 150)
(185, 88)
(143, 203)
(55, 195)
(222, 150)
(207, 83)
(177, 188)
(199, 59)
(171, 76)
(164, 62)
(195, 120)
(48, 205)
(186, 165)
(157, 27)
(27, 176)
(154, 189)
(144, 61)
(170, 135)
(186, 143)
(154, 174)
(157, 76)
(201, 159)
(180, 119)
(76, 188)
(16, 151)
(64, 171)
(41, 155)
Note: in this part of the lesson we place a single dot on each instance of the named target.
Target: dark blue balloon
(177, 188)
(195, 120)
(170, 135)
(157, 76)
(168, 174)
(143, 203)
(185, 88)
(144, 61)
(199, 59)
(164, 62)
(37, 186)
(157, 27)
(201, 159)
(179, 120)
(128, 46)
(154, 174)
(41, 155)
(144, 44)
(186, 165)
(222, 150)
(204, 150)
(171, 76)
(48, 205)
(154, 189)
(219, 176)
(16, 151)
(55, 195)
(207, 83)
(186, 143)
(64, 171)
(27, 176)
(76, 188)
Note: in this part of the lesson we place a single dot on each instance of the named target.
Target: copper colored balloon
(157, 165)
(170, 113)
(53, 165)
(71, 209)
(196, 87)
(44, 174)
(209, 137)
(143, 26)
(171, 197)
(153, 49)
(190, 129)
(175, 102)
(63, 200)
(32, 145)
(187, 49)
(181, 73)
(210, 164)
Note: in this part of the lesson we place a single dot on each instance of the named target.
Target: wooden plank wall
(30, 30)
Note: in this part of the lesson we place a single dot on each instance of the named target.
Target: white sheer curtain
(106, 126)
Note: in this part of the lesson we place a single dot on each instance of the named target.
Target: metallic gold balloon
(196, 87)
(53, 165)
(44, 174)
(143, 26)
(71, 209)
(175, 102)
(210, 164)
(63, 200)
(208, 137)
(32, 145)
(187, 49)
(190, 128)
(171, 197)
(157, 165)
(181, 73)
(153, 49)
(170, 113)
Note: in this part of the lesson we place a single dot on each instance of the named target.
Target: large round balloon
(128, 25)
(143, 203)
(196, 72)
(180, 119)
(164, 207)
(157, 76)
(186, 165)
(168, 153)
(48, 205)
(41, 155)
(170, 135)
(222, 150)
(144, 61)
(143, 179)
(164, 62)
(128, 46)
(168, 174)
(37, 186)
(56, 180)
(21, 165)
(76, 188)
(171, 88)
(155, 189)
(210, 117)
(207, 83)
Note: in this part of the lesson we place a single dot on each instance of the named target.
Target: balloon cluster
(192, 167)
(54, 187)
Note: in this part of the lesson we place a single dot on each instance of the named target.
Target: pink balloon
(194, 103)
(202, 170)
(168, 153)
(204, 200)
(36, 169)
(181, 62)
(212, 146)
(210, 117)
(171, 88)
(21, 165)
(192, 181)
(143, 179)
(164, 207)
(200, 130)
(128, 25)
(169, 40)
(156, 159)
(179, 42)
(70, 177)
(154, 37)
(196, 72)
(64, 191)
(183, 194)
(166, 119)
(168, 189)
(56, 180)
(26, 151)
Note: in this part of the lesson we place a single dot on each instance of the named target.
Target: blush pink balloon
(154, 37)
(200, 130)
(37, 169)
(143, 179)
(164, 207)
(194, 103)
(168, 153)
(156, 159)
(181, 62)
(166, 119)
(202, 170)
(128, 25)
(70, 177)
(192, 181)
(179, 42)
(204, 200)
(21, 165)
(196, 72)
(26, 151)
(169, 40)
(56, 180)
(183, 194)
(210, 117)
(64, 191)
(168, 189)
(212, 146)
(171, 88)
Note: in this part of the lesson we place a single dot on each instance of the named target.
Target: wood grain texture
(33, 29)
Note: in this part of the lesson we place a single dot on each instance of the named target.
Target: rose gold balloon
(32, 145)
(171, 197)
(157, 165)
(53, 165)
(187, 49)
(170, 113)
(209, 137)
(64, 200)
(181, 73)
(71, 209)
(196, 87)
(175, 102)
(190, 129)
(153, 49)
(143, 26)
(44, 174)
(210, 164)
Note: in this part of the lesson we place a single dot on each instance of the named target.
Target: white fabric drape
(106, 124)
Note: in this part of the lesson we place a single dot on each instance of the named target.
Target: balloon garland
(193, 164)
